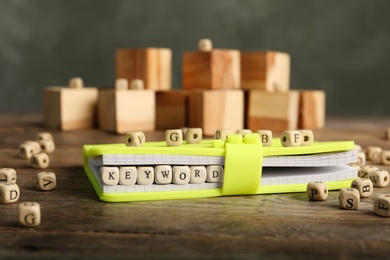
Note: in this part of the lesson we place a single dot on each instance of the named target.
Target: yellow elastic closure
(243, 164)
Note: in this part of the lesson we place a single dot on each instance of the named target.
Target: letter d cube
(382, 205)
(317, 190)
(9, 192)
(29, 214)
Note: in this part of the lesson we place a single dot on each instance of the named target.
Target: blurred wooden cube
(215, 109)
(265, 70)
(124, 110)
(311, 109)
(275, 111)
(215, 69)
(152, 65)
(171, 109)
(69, 108)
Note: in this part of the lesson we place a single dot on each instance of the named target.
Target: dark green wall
(342, 47)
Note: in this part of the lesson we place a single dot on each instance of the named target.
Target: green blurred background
(342, 47)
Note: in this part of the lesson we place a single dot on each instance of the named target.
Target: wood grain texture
(311, 109)
(75, 224)
(171, 109)
(216, 69)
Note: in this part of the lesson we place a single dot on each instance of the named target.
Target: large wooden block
(276, 111)
(265, 70)
(152, 65)
(215, 69)
(69, 108)
(123, 111)
(171, 109)
(216, 109)
(311, 109)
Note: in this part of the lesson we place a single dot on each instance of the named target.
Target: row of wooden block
(161, 174)
(207, 69)
(121, 111)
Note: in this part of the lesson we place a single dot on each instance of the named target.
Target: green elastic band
(243, 164)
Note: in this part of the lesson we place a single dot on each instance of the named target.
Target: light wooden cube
(194, 135)
(216, 109)
(373, 153)
(382, 205)
(27, 149)
(311, 109)
(243, 132)
(76, 83)
(198, 174)
(317, 190)
(361, 158)
(163, 174)
(109, 175)
(9, 192)
(214, 173)
(291, 138)
(69, 108)
(181, 174)
(29, 214)
(349, 198)
(307, 137)
(171, 109)
(364, 186)
(174, 137)
(127, 175)
(44, 136)
(135, 139)
(385, 157)
(152, 65)
(265, 70)
(379, 178)
(47, 146)
(205, 45)
(122, 111)
(46, 181)
(121, 84)
(145, 175)
(8, 175)
(215, 69)
(274, 111)
(358, 148)
(137, 84)
(40, 160)
(222, 133)
(265, 137)
(365, 170)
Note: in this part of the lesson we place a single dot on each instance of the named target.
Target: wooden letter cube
(122, 84)
(379, 178)
(145, 175)
(382, 205)
(373, 153)
(162, 174)
(317, 190)
(349, 198)
(215, 69)
(311, 109)
(243, 132)
(307, 137)
(265, 70)
(197, 174)
(47, 146)
(385, 157)
(44, 136)
(216, 109)
(291, 138)
(194, 135)
(365, 170)
(152, 65)
(205, 45)
(135, 139)
(46, 181)
(39, 160)
(361, 158)
(122, 111)
(76, 83)
(222, 134)
(137, 84)
(109, 175)
(7, 175)
(27, 149)
(174, 137)
(364, 186)
(181, 174)
(9, 192)
(274, 111)
(171, 109)
(214, 173)
(29, 214)
(265, 137)
(127, 175)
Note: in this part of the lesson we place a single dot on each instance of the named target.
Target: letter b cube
(364, 186)
(317, 190)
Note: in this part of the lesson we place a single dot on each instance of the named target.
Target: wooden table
(76, 224)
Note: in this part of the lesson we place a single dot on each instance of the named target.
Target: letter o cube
(364, 186)
(317, 190)
(29, 214)
(382, 205)
(349, 198)
(9, 192)
(291, 138)
(135, 139)
(174, 137)
(181, 174)
(46, 181)
(194, 135)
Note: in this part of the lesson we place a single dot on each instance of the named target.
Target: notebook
(246, 167)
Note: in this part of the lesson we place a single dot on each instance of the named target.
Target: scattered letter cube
(29, 214)
(379, 178)
(46, 181)
(317, 190)
(135, 139)
(349, 198)
(39, 160)
(9, 193)
(7, 175)
(364, 186)
(174, 137)
(382, 205)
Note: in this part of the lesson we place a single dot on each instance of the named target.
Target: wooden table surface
(75, 224)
